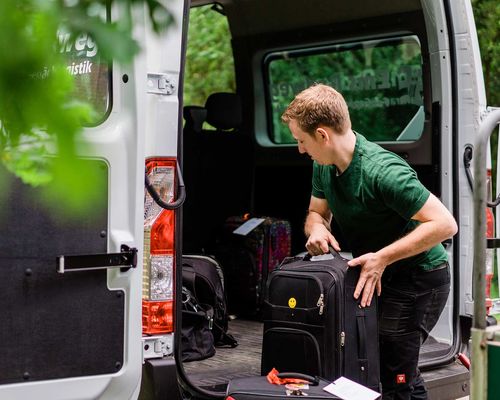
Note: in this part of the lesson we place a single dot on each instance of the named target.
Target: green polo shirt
(373, 201)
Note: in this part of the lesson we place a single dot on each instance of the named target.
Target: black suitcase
(313, 324)
(259, 388)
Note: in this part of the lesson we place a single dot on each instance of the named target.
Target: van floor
(244, 360)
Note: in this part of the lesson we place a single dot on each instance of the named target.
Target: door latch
(125, 260)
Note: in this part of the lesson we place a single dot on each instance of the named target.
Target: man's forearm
(422, 238)
(314, 218)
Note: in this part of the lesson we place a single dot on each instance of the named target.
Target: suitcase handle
(331, 250)
(362, 335)
(313, 381)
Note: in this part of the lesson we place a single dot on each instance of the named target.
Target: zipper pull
(342, 339)
(321, 304)
(210, 323)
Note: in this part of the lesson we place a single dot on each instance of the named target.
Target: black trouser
(410, 304)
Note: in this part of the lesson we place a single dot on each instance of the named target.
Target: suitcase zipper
(321, 304)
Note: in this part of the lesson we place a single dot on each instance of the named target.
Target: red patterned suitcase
(249, 249)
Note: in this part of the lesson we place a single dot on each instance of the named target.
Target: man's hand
(436, 225)
(372, 268)
(319, 240)
(317, 228)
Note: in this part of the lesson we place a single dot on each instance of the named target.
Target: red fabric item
(272, 377)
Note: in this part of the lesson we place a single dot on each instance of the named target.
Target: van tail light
(159, 250)
(490, 233)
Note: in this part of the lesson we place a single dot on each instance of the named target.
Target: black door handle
(125, 260)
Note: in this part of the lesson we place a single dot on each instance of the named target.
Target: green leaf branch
(40, 118)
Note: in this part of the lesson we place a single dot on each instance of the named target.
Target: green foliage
(36, 92)
(487, 18)
(209, 57)
(38, 110)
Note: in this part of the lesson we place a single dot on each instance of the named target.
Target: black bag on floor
(259, 388)
(203, 276)
(313, 324)
(196, 337)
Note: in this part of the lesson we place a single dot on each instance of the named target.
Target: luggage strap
(191, 304)
(226, 338)
(188, 300)
(189, 276)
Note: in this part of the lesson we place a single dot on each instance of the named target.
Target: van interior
(239, 158)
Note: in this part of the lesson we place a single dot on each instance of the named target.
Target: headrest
(224, 110)
(195, 116)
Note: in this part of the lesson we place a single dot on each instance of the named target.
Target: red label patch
(401, 378)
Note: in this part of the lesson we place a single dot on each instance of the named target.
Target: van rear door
(70, 297)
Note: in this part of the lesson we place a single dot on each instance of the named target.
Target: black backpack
(203, 276)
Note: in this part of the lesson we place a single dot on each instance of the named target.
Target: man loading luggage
(392, 223)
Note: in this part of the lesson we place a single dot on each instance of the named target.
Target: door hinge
(157, 346)
(161, 84)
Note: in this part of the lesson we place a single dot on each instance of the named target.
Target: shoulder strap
(189, 277)
(226, 339)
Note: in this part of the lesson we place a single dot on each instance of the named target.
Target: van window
(381, 81)
(92, 75)
(209, 48)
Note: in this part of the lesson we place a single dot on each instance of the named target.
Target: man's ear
(322, 134)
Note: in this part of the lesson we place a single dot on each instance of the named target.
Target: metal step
(447, 383)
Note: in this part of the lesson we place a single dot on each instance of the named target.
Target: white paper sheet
(248, 226)
(349, 390)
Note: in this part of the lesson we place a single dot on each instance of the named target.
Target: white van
(91, 309)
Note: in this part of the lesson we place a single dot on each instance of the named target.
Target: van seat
(224, 111)
(218, 166)
(194, 116)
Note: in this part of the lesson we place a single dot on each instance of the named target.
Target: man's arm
(317, 227)
(436, 225)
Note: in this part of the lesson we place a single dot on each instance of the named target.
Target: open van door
(411, 74)
(70, 289)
